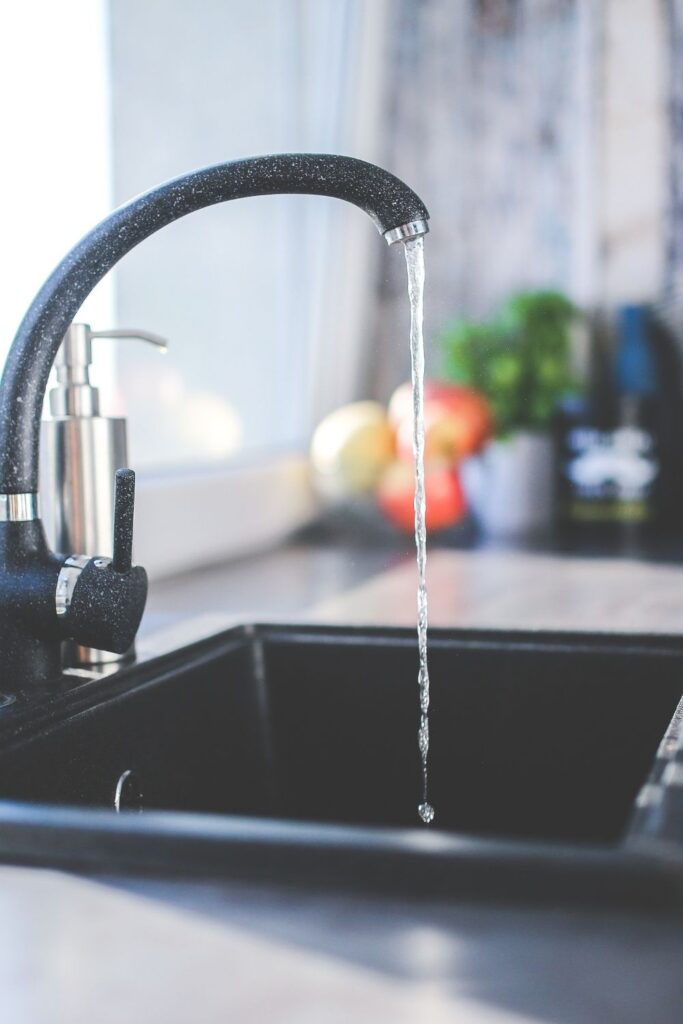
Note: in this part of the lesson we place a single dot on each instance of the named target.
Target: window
(56, 171)
(262, 301)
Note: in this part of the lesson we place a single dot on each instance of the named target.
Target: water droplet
(426, 812)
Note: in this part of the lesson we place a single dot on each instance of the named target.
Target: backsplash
(513, 121)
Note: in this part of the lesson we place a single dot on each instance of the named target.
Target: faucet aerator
(405, 232)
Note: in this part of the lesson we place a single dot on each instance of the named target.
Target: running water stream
(416, 274)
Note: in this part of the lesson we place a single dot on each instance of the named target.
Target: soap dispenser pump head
(74, 395)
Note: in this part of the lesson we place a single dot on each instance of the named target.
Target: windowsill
(200, 517)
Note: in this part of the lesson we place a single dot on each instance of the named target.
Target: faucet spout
(396, 210)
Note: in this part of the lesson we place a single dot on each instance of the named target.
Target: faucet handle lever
(99, 603)
(124, 508)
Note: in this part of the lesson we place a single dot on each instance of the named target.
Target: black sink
(534, 738)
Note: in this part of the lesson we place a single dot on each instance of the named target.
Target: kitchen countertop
(78, 949)
(497, 589)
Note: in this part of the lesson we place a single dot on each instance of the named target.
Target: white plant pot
(509, 486)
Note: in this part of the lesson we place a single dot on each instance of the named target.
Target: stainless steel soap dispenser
(81, 451)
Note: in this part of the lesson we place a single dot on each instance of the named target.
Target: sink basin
(266, 744)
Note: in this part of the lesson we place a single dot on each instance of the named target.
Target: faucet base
(29, 637)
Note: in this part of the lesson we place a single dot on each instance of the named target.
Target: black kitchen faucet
(46, 598)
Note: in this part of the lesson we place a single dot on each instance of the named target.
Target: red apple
(458, 420)
(443, 492)
(447, 437)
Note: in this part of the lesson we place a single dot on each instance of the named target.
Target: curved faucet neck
(395, 209)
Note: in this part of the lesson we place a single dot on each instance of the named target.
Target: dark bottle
(608, 448)
(637, 458)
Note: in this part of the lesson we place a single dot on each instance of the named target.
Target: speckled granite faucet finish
(29, 633)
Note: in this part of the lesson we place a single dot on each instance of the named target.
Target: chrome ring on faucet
(404, 232)
(18, 508)
(67, 580)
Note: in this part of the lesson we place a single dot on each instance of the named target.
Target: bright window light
(55, 174)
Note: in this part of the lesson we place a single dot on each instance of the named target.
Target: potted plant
(521, 362)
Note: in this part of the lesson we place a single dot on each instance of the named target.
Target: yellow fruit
(350, 448)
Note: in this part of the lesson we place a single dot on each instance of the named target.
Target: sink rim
(411, 863)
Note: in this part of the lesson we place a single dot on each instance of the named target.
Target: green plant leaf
(520, 360)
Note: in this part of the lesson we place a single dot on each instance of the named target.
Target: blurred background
(546, 138)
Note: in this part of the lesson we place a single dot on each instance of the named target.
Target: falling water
(416, 275)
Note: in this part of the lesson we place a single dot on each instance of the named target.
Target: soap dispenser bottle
(80, 453)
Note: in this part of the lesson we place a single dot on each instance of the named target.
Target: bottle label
(610, 473)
